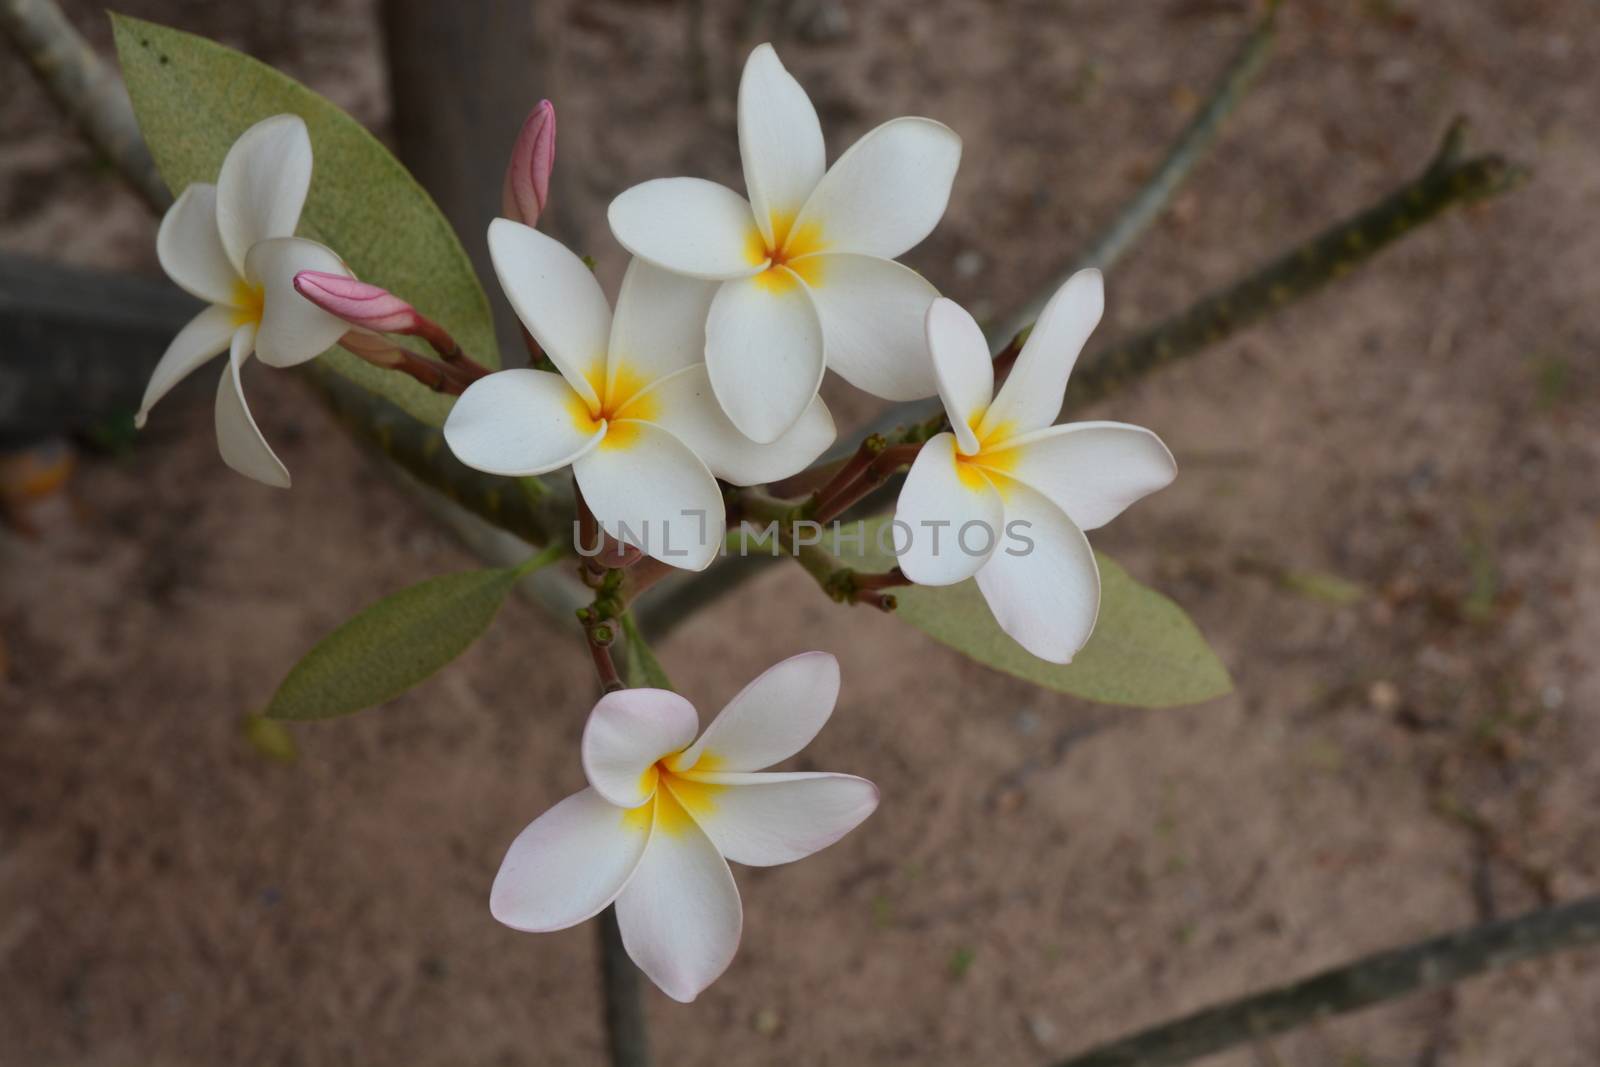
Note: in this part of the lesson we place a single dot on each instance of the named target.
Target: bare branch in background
(1447, 182)
(1370, 980)
(87, 91)
(1140, 211)
(1130, 222)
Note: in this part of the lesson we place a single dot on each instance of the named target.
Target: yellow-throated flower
(1006, 495)
(664, 813)
(232, 245)
(631, 410)
(806, 265)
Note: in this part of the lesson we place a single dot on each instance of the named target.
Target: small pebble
(1384, 696)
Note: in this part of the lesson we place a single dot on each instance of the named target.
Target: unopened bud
(357, 302)
(527, 184)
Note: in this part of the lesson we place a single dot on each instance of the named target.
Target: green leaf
(1145, 651)
(640, 666)
(397, 642)
(194, 97)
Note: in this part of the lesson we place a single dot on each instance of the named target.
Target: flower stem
(626, 1033)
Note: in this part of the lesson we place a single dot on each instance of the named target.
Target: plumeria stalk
(232, 245)
(631, 409)
(664, 812)
(1005, 469)
(805, 269)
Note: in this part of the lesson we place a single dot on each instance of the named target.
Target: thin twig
(85, 89)
(1447, 182)
(1370, 980)
(1141, 210)
(1007, 335)
(884, 462)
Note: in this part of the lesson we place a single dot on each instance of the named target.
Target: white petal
(558, 299)
(1090, 470)
(1031, 397)
(872, 318)
(765, 352)
(263, 184)
(520, 422)
(680, 914)
(240, 442)
(963, 366)
(190, 249)
(648, 490)
(689, 226)
(948, 519)
(887, 192)
(660, 328)
(201, 338)
(684, 405)
(1043, 584)
(627, 732)
(771, 719)
(780, 142)
(568, 864)
(765, 819)
(293, 329)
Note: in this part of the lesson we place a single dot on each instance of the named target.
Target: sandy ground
(1043, 874)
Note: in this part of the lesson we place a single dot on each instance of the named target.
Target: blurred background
(1387, 523)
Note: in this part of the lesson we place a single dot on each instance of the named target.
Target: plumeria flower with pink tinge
(664, 813)
(1025, 487)
(806, 264)
(631, 410)
(232, 245)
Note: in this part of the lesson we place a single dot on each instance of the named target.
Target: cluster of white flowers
(708, 369)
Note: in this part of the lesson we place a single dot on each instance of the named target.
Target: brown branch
(1370, 980)
(884, 463)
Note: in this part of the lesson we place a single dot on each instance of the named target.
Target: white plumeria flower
(664, 813)
(631, 410)
(232, 245)
(807, 263)
(1007, 494)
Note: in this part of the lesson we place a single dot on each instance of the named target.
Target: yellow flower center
(622, 407)
(675, 797)
(248, 300)
(994, 456)
(794, 249)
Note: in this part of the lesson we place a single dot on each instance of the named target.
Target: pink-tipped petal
(626, 733)
(764, 819)
(527, 183)
(568, 864)
(772, 718)
(680, 914)
(357, 302)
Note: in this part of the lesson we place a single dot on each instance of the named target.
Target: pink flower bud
(527, 184)
(358, 303)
